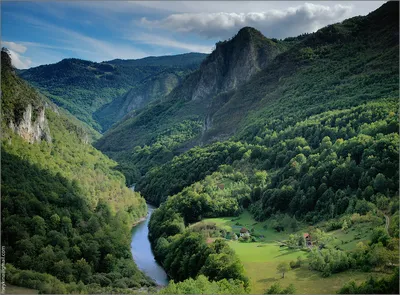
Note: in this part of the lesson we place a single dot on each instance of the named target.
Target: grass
(246, 220)
(260, 259)
(11, 289)
(348, 240)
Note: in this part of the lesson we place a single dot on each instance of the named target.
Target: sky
(45, 32)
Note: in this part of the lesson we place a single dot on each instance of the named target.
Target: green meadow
(11, 289)
(260, 259)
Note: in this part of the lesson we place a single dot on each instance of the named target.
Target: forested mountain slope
(151, 88)
(319, 97)
(339, 66)
(66, 213)
(317, 142)
(84, 87)
(180, 119)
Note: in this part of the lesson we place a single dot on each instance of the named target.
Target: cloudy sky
(45, 32)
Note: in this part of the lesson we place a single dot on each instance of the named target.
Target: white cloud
(16, 50)
(17, 47)
(19, 61)
(282, 23)
(171, 43)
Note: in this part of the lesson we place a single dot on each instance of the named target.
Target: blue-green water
(142, 254)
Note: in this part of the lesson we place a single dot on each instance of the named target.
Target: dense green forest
(66, 213)
(300, 136)
(84, 88)
(338, 67)
(320, 144)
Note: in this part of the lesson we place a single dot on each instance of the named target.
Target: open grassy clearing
(260, 259)
(11, 289)
(234, 224)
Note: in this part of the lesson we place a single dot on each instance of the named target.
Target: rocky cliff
(234, 62)
(150, 89)
(30, 128)
(24, 110)
(197, 98)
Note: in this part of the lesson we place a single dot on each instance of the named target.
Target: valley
(268, 166)
(261, 257)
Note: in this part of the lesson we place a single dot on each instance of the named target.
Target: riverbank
(140, 220)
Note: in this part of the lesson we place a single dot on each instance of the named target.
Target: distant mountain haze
(84, 88)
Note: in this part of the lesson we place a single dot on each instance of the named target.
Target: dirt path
(387, 222)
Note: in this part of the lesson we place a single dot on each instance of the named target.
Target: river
(142, 254)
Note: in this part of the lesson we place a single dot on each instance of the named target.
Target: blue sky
(45, 32)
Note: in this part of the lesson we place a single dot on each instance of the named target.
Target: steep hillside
(313, 165)
(179, 120)
(148, 90)
(340, 65)
(83, 87)
(337, 69)
(66, 213)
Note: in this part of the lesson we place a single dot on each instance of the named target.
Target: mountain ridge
(66, 213)
(221, 116)
(222, 71)
(84, 87)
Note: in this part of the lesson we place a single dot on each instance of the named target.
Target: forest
(66, 213)
(307, 146)
(312, 159)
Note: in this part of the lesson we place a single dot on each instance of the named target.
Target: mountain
(182, 116)
(274, 155)
(313, 152)
(84, 87)
(179, 60)
(318, 72)
(66, 213)
(144, 92)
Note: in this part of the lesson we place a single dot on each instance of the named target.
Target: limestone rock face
(150, 89)
(33, 126)
(234, 62)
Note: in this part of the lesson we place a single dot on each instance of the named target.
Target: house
(244, 232)
(308, 240)
(221, 186)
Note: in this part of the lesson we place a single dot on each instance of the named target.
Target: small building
(244, 232)
(307, 238)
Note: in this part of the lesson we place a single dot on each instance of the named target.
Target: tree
(55, 221)
(282, 268)
(260, 178)
(345, 226)
(39, 225)
(380, 182)
(379, 256)
(82, 270)
(379, 235)
(277, 289)
(293, 241)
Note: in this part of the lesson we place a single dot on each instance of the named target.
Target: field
(11, 289)
(261, 258)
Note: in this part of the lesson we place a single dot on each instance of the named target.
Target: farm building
(244, 232)
(307, 237)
